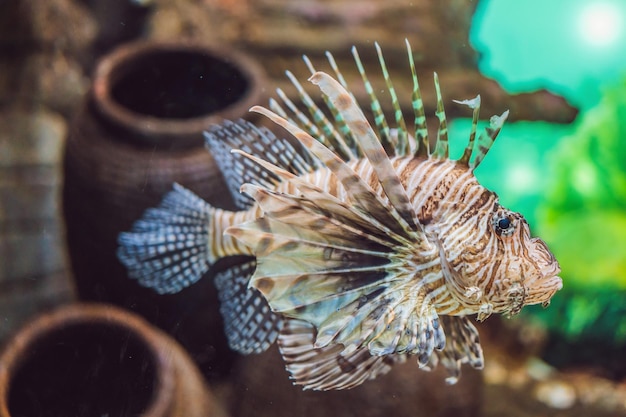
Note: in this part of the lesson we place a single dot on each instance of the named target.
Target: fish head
(527, 271)
(514, 269)
(490, 262)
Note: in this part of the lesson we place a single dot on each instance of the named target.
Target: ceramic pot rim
(92, 314)
(149, 129)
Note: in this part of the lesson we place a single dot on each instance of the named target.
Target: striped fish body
(434, 188)
(367, 247)
(454, 209)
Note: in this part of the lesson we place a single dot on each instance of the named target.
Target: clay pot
(140, 131)
(96, 360)
(261, 387)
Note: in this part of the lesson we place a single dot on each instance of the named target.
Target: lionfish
(367, 247)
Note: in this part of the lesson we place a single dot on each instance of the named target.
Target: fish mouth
(544, 281)
(537, 290)
(542, 289)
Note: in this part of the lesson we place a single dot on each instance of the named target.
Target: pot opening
(84, 370)
(178, 84)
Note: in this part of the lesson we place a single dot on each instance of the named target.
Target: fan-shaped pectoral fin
(401, 321)
(414, 329)
(330, 367)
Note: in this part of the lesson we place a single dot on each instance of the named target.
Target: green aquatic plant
(583, 219)
(584, 213)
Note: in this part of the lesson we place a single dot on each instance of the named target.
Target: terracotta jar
(140, 131)
(97, 360)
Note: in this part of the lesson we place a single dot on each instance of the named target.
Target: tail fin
(168, 248)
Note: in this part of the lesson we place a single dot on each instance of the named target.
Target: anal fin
(249, 324)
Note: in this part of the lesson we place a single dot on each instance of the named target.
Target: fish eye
(503, 224)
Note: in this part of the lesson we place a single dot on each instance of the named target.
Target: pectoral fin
(330, 367)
